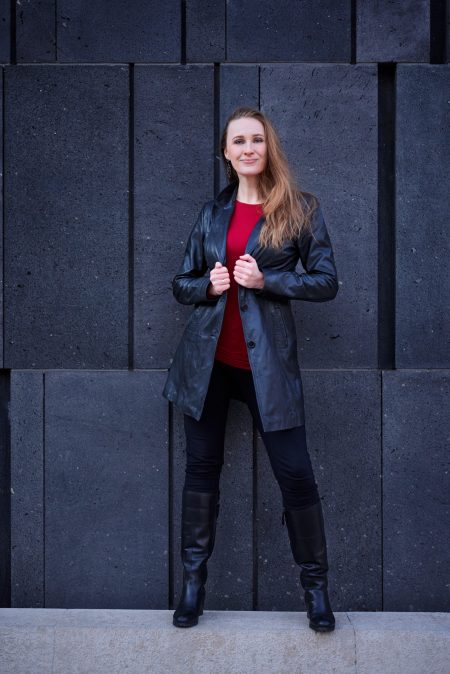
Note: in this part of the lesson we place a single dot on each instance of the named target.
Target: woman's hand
(219, 280)
(247, 273)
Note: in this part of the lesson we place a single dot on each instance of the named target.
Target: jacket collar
(224, 203)
(227, 197)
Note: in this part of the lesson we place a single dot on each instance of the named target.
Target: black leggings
(287, 450)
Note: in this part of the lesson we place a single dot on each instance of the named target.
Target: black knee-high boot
(307, 537)
(198, 530)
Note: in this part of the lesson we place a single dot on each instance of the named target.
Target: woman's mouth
(249, 161)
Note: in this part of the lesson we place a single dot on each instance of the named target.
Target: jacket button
(244, 307)
(251, 344)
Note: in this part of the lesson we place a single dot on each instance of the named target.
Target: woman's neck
(248, 191)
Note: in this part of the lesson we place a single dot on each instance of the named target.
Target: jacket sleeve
(320, 281)
(192, 279)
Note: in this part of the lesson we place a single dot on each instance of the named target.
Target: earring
(228, 169)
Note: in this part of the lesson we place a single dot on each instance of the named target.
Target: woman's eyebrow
(241, 135)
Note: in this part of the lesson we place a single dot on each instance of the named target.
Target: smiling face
(246, 146)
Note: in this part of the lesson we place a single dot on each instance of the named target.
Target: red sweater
(231, 345)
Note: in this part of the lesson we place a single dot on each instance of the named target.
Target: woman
(240, 342)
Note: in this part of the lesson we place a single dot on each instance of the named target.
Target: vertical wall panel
(312, 30)
(2, 271)
(393, 31)
(5, 31)
(416, 511)
(66, 217)
(422, 212)
(205, 30)
(106, 501)
(174, 136)
(27, 411)
(36, 31)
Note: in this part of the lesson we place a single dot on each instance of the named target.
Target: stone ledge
(110, 641)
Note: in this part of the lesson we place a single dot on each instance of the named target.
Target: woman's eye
(258, 140)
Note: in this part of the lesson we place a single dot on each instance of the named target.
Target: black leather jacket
(266, 314)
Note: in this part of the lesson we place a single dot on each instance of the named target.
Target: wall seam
(131, 216)
(438, 32)
(386, 216)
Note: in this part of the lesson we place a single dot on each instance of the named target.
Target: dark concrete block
(66, 224)
(205, 31)
(325, 114)
(422, 239)
(261, 30)
(106, 500)
(230, 569)
(447, 36)
(343, 441)
(174, 176)
(118, 31)
(239, 85)
(36, 31)
(27, 489)
(5, 31)
(2, 271)
(416, 554)
(393, 31)
(5, 489)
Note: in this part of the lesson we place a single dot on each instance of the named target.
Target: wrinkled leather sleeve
(190, 283)
(320, 281)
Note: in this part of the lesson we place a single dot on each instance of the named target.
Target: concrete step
(91, 641)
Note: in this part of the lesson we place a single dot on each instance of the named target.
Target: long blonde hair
(287, 209)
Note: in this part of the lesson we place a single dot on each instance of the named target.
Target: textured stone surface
(5, 489)
(205, 30)
(66, 217)
(393, 31)
(230, 569)
(121, 32)
(325, 114)
(344, 444)
(106, 501)
(260, 30)
(2, 272)
(27, 489)
(5, 31)
(174, 115)
(422, 208)
(227, 642)
(36, 31)
(416, 510)
(397, 642)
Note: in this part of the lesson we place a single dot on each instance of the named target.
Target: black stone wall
(111, 115)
